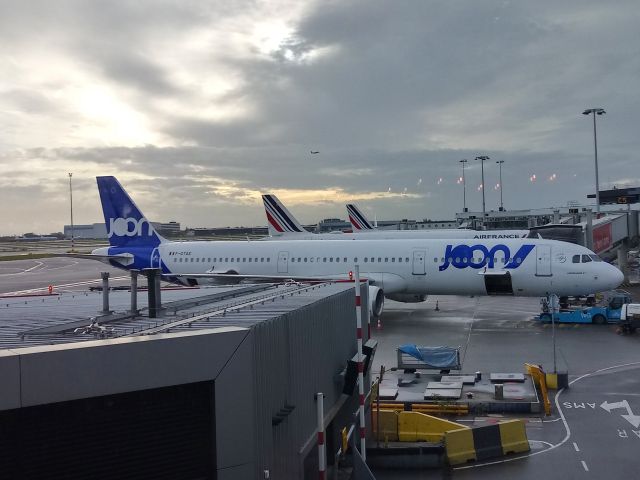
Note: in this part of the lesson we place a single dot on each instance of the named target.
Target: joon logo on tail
(479, 256)
(128, 227)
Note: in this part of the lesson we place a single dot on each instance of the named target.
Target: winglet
(359, 222)
(281, 222)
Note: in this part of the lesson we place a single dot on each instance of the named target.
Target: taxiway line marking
(584, 465)
(562, 417)
(575, 446)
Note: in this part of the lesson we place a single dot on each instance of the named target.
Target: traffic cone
(437, 307)
(379, 325)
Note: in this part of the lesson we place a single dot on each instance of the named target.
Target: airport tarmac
(498, 334)
(64, 274)
(595, 428)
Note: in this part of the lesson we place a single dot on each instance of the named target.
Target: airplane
(360, 223)
(400, 269)
(283, 225)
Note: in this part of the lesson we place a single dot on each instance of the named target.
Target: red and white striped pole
(363, 451)
(322, 454)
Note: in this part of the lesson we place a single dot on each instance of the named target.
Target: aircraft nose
(614, 277)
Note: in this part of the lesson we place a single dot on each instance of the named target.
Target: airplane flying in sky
(283, 225)
(401, 269)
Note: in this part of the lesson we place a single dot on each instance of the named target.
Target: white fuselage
(420, 266)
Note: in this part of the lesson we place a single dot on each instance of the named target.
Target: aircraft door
(419, 259)
(283, 262)
(543, 260)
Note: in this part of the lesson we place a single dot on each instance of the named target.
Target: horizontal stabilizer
(124, 258)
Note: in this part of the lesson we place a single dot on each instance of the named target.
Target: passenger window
(386, 259)
(399, 259)
(355, 260)
(575, 259)
(393, 259)
(379, 259)
(191, 259)
(268, 259)
(226, 259)
(324, 259)
(299, 259)
(457, 259)
(208, 260)
(345, 259)
(249, 259)
(586, 258)
(262, 259)
(293, 259)
(435, 260)
(406, 259)
(373, 259)
(305, 259)
(366, 259)
(256, 259)
(518, 260)
(331, 259)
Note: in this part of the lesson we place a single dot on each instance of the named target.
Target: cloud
(198, 107)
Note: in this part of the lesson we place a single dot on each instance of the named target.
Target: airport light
(71, 205)
(595, 111)
(482, 159)
(464, 186)
(500, 162)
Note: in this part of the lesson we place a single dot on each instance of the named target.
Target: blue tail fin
(126, 226)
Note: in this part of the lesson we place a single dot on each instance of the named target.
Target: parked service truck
(629, 318)
(610, 312)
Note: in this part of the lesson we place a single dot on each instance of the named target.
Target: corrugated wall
(296, 356)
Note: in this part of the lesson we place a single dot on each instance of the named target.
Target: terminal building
(222, 385)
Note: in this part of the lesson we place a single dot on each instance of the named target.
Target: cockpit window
(576, 259)
(596, 258)
(586, 258)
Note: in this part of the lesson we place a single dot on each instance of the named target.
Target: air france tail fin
(359, 222)
(280, 220)
(126, 226)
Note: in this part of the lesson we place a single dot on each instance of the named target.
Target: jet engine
(407, 297)
(376, 301)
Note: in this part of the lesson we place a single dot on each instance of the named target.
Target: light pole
(71, 204)
(482, 159)
(595, 111)
(464, 186)
(500, 162)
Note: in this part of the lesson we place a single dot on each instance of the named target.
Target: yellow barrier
(388, 425)
(513, 436)
(426, 407)
(420, 427)
(538, 377)
(459, 446)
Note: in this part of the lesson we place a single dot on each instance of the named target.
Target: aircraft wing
(275, 278)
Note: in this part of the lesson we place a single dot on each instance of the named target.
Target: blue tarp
(436, 357)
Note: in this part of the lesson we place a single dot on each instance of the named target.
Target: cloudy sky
(198, 107)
